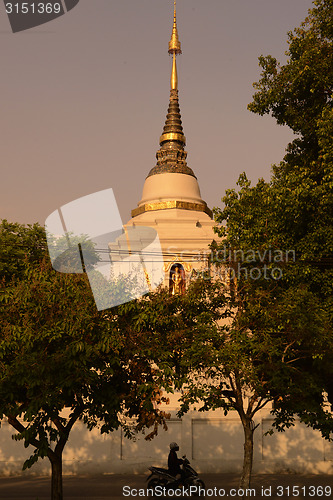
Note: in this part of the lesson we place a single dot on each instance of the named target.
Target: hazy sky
(84, 98)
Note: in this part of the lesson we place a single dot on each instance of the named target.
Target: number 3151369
(33, 8)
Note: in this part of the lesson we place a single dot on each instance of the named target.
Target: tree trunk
(56, 482)
(245, 481)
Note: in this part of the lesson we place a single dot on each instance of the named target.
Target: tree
(62, 360)
(276, 256)
(300, 95)
(279, 237)
(238, 350)
(280, 337)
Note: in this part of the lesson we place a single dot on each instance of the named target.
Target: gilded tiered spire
(171, 157)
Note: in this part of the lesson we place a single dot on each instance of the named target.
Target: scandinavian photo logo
(87, 235)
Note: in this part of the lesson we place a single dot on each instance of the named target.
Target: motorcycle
(162, 478)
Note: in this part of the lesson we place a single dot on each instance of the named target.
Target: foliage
(18, 244)
(61, 360)
(277, 249)
(165, 326)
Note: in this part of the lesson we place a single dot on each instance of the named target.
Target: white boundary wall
(212, 442)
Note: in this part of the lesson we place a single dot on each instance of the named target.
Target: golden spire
(174, 48)
(171, 157)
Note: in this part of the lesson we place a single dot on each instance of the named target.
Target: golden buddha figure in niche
(176, 282)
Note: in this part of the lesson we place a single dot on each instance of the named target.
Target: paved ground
(286, 486)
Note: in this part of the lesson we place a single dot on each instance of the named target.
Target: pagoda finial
(174, 44)
(174, 48)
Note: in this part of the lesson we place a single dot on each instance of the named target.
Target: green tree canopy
(279, 237)
(61, 360)
(19, 244)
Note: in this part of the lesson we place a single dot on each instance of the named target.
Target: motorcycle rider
(174, 462)
(175, 475)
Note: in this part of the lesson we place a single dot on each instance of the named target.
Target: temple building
(171, 202)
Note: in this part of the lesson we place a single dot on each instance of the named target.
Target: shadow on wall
(13, 455)
(217, 439)
(299, 444)
(157, 449)
(107, 452)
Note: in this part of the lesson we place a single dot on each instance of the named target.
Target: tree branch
(261, 404)
(20, 428)
(286, 349)
(66, 430)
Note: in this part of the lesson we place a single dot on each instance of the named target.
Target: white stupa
(171, 202)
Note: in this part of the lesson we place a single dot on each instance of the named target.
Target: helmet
(174, 446)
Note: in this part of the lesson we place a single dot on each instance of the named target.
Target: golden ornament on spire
(174, 44)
